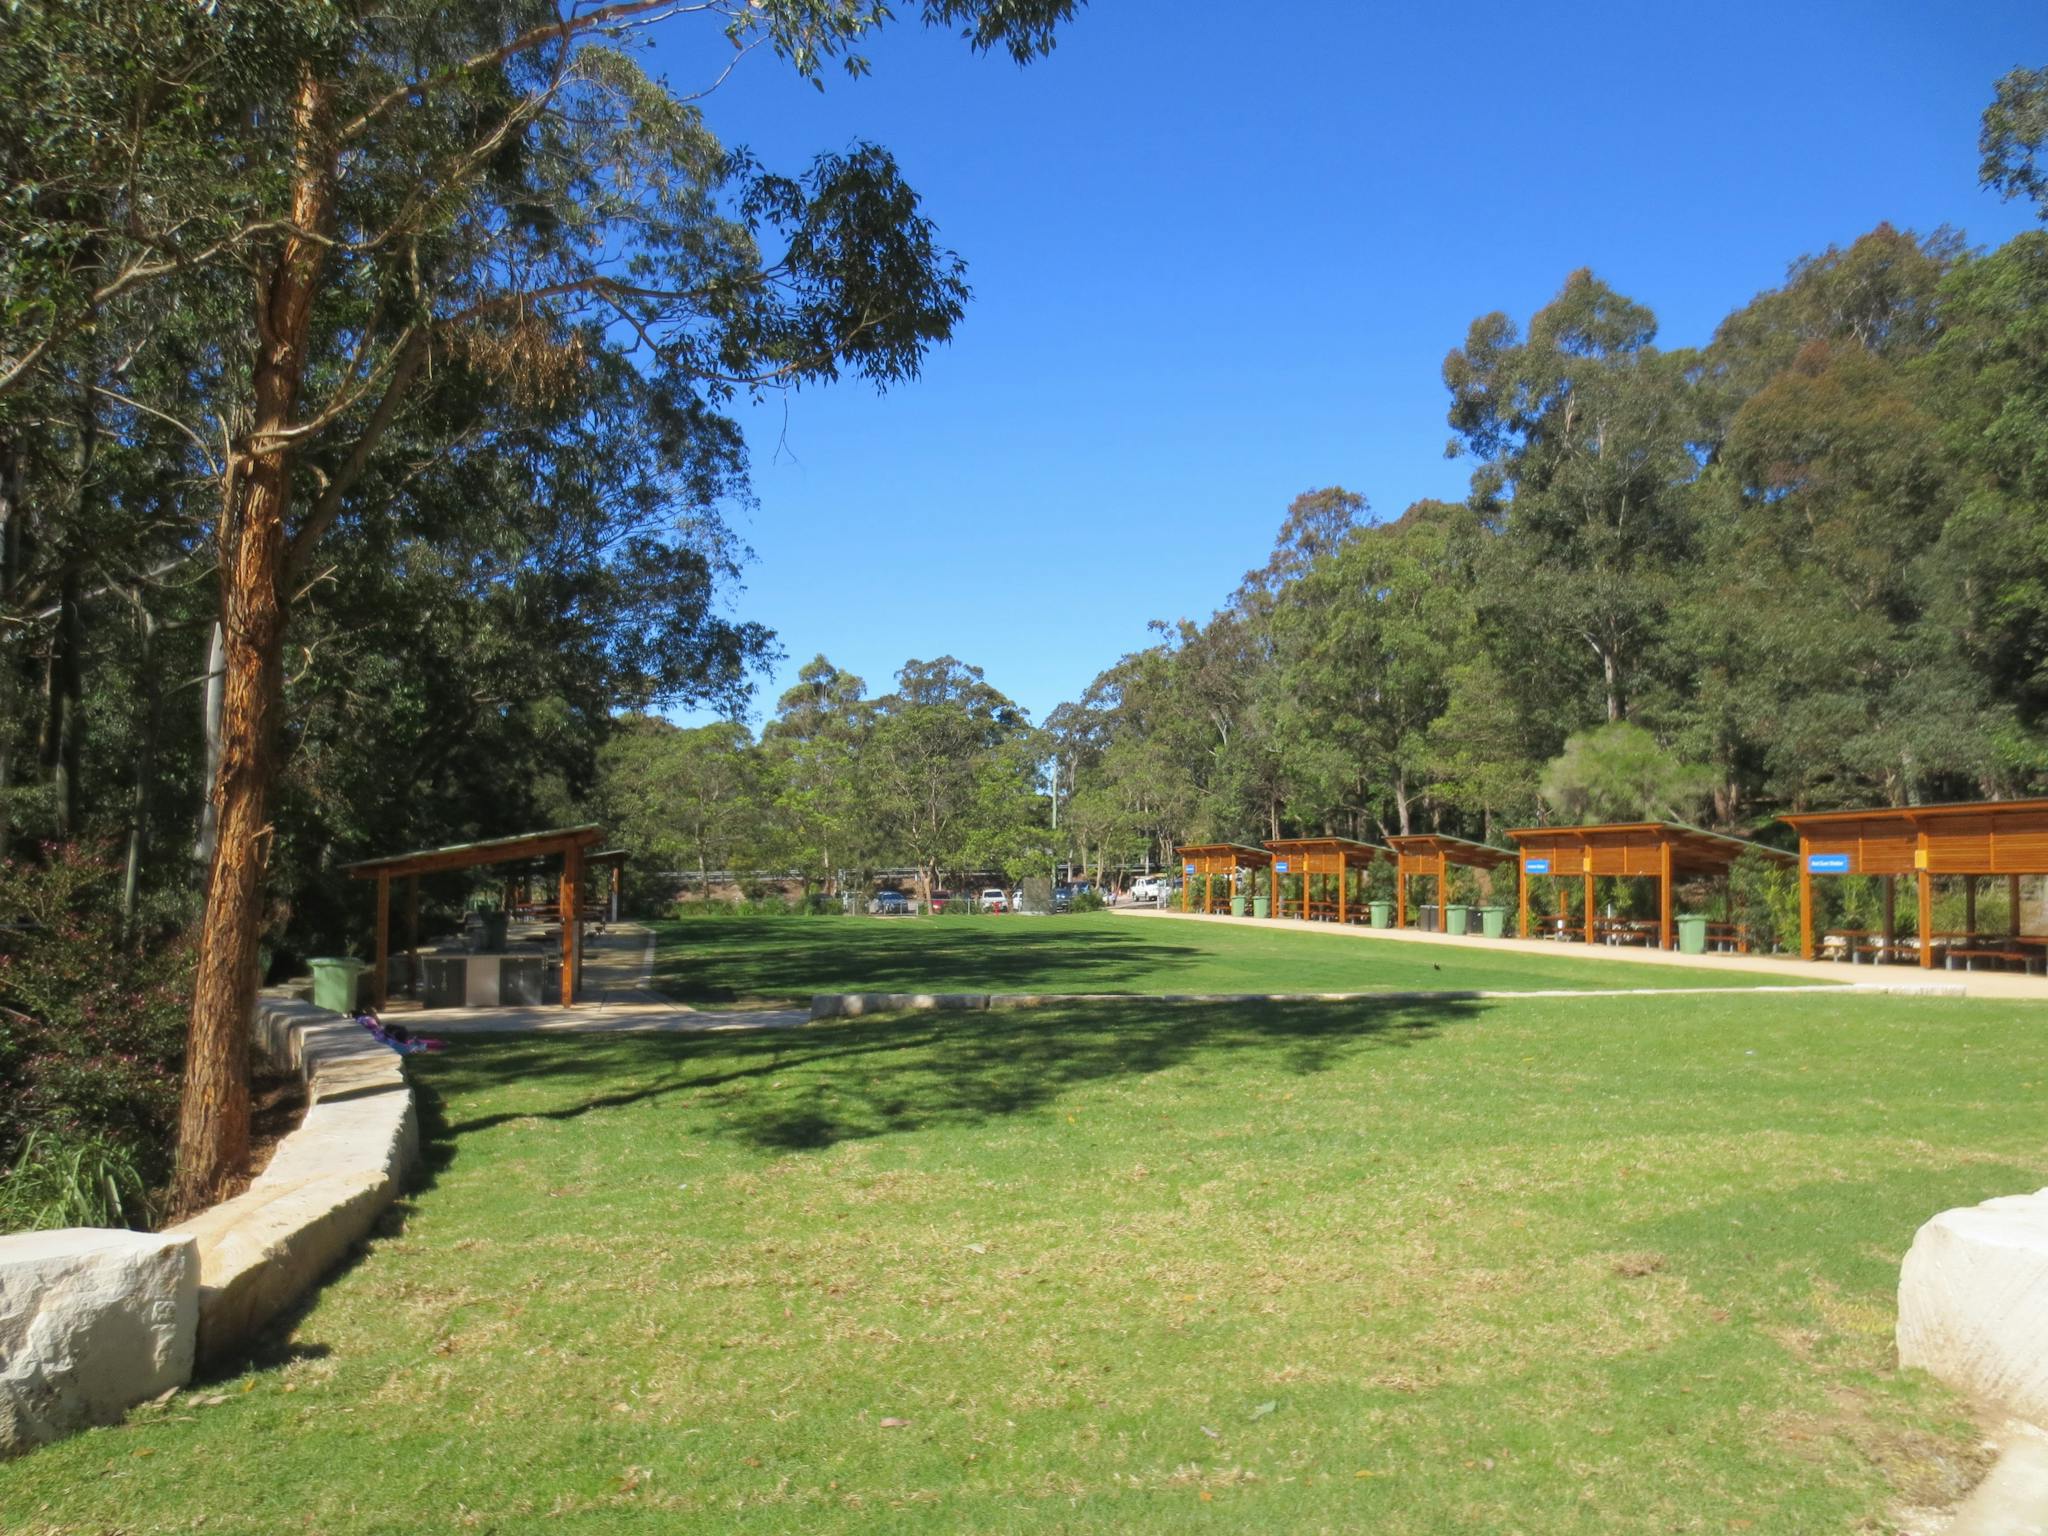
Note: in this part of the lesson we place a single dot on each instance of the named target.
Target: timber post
(380, 978)
(1664, 894)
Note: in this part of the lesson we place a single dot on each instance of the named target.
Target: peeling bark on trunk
(209, 726)
(213, 1117)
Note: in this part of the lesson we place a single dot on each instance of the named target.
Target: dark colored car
(1062, 898)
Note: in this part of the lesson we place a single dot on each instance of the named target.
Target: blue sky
(1219, 252)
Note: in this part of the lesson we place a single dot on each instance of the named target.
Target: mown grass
(753, 960)
(1535, 1266)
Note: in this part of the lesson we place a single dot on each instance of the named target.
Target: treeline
(943, 773)
(1801, 567)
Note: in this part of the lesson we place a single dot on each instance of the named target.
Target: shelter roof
(1350, 847)
(1692, 848)
(1458, 850)
(1915, 815)
(496, 850)
(1241, 850)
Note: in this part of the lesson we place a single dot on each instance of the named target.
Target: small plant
(87, 1182)
(1087, 901)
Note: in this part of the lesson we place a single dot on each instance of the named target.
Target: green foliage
(1088, 901)
(91, 1037)
(1620, 773)
(1764, 897)
(2015, 138)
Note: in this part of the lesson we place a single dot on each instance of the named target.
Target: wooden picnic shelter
(1973, 839)
(1429, 856)
(1208, 860)
(1664, 851)
(1329, 859)
(569, 842)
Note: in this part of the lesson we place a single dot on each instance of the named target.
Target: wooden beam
(1443, 891)
(1664, 893)
(1805, 903)
(1522, 885)
(1400, 890)
(1589, 900)
(412, 935)
(379, 979)
(2012, 905)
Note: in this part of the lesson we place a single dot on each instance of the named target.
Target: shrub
(92, 1036)
(1765, 896)
(1088, 901)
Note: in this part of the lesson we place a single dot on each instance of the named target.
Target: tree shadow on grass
(766, 959)
(851, 1080)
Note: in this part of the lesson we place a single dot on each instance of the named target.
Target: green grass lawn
(780, 960)
(1535, 1266)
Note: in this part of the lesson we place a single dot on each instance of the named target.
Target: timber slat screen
(1205, 861)
(1430, 855)
(569, 842)
(1973, 840)
(1664, 851)
(1329, 859)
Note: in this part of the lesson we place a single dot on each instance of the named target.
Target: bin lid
(338, 960)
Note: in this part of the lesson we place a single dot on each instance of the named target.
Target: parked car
(1147, 890)
(939, 900)
(1063, 898)
(995, 899)
(890, 904)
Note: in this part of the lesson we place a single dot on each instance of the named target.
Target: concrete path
(617, 999)
(1989, 984)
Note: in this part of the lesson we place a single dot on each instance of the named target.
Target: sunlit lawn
(1527, 1266)
(753, 960)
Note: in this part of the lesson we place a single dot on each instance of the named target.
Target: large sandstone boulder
(1973, 1302)
(92, 1322)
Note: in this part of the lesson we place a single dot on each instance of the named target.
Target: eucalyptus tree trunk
(10, 575)
(64, 702)
(145, 766)
(63, 718)
(213, 1118)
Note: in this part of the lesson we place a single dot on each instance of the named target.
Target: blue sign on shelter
(1536, 866)
(1827, 863)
